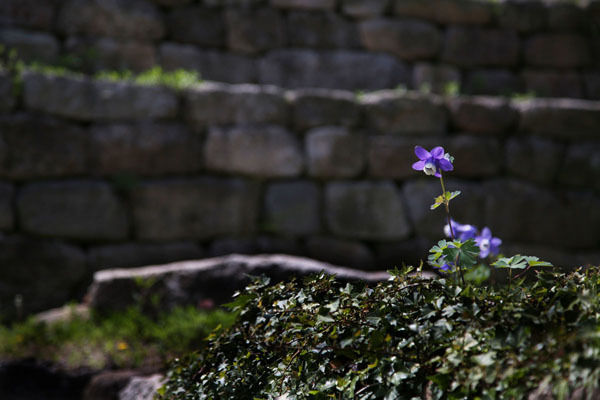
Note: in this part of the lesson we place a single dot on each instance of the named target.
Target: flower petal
(422, 153)
(496, 242)
(486, 233)
(438, 174)
(445, 165)
(484, 253)
(419, 165)
(437, 152)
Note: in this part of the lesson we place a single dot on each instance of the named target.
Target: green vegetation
(126, 339)
(406, 338)
(178, 79)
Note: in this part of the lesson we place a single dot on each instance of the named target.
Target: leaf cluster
(406, 338)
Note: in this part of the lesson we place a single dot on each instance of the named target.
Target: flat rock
(334, 152)
(292, 208)
(315, 107)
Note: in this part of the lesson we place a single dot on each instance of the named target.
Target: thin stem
(449, 218)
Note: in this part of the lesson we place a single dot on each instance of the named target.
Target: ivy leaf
(465, 252)
(520, 262)
(485, 359)
(442, 198)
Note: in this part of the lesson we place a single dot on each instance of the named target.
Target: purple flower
(487, 244)
(461, 232)
(432, 163)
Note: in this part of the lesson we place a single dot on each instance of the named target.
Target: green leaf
(465, 252)
(485, 359)
(443, 198)
(520, 262)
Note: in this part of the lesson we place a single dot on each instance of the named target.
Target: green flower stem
(449, 218)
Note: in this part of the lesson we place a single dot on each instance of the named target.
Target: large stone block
(212, 65)
(392, 157)
(560, 50)
(136, 19)
(564, 16)
(581, 166)
(37, 147)
(31, 46)
(219, 104)
(592, 85)
(366, 210)
(7, 216)
(198, 25)
(475, 156)
(435, 78)
(534, 159)
(304, 4)
(559, 118)
(474, 47)
(171, 3)
(349, 253)
(29, 14)
(129, 255)
(252, 31)
(111, 54)
(317, 107)
(523, 16)
(42, 272)
(482, 115)
(262, 151)
(459, 12)
(79, 210)
(320, 30)
(145, 149)
(391, 112)
(407, 39)
(194, 208)
(337, 69)
(364, 8)
(553, 84)
(334, 152)
(292, 208)
(492, 82)
(86, 99)
(7, 93)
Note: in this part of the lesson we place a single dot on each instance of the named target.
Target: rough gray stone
(334, 152)
(523, 15)
(350, 253)
(29, 14)
(31, 46)
(142, 388)
(129, 255)
(336, 69)
(279, 245)
(220, 104)
(226, 246)
(171, 3)
(459, 12)
(42, 272)
(192, 282)
(559, 50)
(317, 107)
(144, 148)
(391, 112)
(194, 208)
(565, 16)
(320, 30)
(435, 78)
(263, 151)
(86, 99)
(365, 8)
(392, 157)
(112, 54)
(592, 85)
(475, 156)
(136, 19)
(7, 217)
(553, 84)
(559, 118)
(534, 159)
(482, 115)
(407, 39)
(212, 65)
(252, 31)
(292, 208)
(37, 147)
(581, 166)
(474, 47)
(106, 385)
(366, 210)
(198, 25)
(304, 4)
(81, 210)
(7, 96)
(492, 82)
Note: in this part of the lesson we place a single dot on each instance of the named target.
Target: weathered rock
(57, 268)
(236, 245)
(559, 118)
(7, 217)
(129, 255)
(391, 112)
(581, 166)
(171, 3)
(106, 385)
(475, 156)
(392, 157)
(81, 210)
(191, 282)
(334, 152)
(198, 25)
(142, 388)
(38, 147)
(364, 8)
(304, 4)
(66, 313)
(292, 208)
(263, 151)
(523, 16)
(560, 50)
(86, 99)
(492, 82)
(366, 210)
(435, 78)
(553, 84)
(459, 12)
(592, 85)
(31, 46)
(220, 104)
(336, 69)
(136, 19)
(473, 47)
(29, 14)
(194, 208)
(407, 39)
(112, 54)
(320, 30)
(566, 16)
(317, 107)
(534, 158)
(145, 149)
(212, 65)
(7, 95)
(482, 115)
(252, 31)
(350, 253)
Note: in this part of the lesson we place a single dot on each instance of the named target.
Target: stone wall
(549, 48)
(97, 174)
